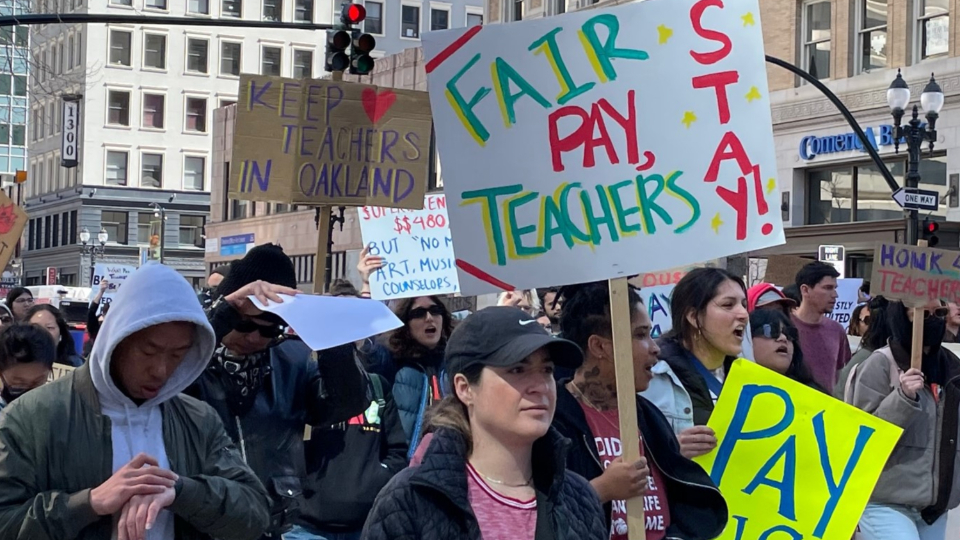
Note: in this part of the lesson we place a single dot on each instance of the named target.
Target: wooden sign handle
(916, 349)
(620, 310)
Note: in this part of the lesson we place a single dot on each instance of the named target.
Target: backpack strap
(378, 389)
(852, 376)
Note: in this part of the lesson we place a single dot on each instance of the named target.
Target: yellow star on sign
(771, 185)
(715, 223)
(748, 20)
(753, 94)
(665, 33)
(688, 119)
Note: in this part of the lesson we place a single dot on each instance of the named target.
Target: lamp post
(93, 250)
(915, 134)
(158, 211)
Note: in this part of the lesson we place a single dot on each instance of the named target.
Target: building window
(71, 48)
(56, 230)
(934, 27)
(155, 51)
(193, 173)
(197, 54)
(46, 231)
(200, 7)
(120, 47)
(227, 102)
(155, 4)
(302, 64)
(560, 7)
(196, 115)
(127, 3)
(144, 227)
(79, 49)
(20, 85)
(65, 230)
(848, 193)
(816, 38)
(115, 223)
(272, 10)
(303, 11)
(410, 22)
(118, 108)
(439, 19)
(373, 24)
(151, 170)
(230, 58)
(73, 227)
(873, 35)
(517, 10)
(116, 168)
(231, 8)
(270, 64)
(153, 110)
(191, 230)
(476, 19)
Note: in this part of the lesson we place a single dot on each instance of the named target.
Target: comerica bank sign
(812, 146)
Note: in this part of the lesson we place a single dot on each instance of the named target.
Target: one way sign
(917, 199)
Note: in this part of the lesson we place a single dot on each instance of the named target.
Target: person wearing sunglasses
(266, 388)
(859, 321)
(921, 480)
(776, 347)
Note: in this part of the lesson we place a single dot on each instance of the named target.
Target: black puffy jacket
(430, 502)
(697, 509)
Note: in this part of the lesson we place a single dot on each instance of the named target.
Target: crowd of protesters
(186, 416)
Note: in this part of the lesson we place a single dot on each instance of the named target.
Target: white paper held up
(323, 322)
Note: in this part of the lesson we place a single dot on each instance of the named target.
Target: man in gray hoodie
(113, 450)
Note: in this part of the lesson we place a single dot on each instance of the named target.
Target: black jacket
(673, 353)
(697, 509)
(430, 502)
(299, 391)
(349, 463)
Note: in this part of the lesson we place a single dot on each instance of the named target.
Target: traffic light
(351, 14)
(336, 56)
(929, 232)
(361, 63)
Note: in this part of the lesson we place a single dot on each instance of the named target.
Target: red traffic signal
(931, 227)
(352, 14)
(929, 232)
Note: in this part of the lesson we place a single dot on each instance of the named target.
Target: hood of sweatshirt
(153, 295)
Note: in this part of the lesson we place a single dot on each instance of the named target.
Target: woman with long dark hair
(776, 346)
(19, 300)
(50, 319)
(875, 337)
(920, 482)
(494, 468)
(710, 319)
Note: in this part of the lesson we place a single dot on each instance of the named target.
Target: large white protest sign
(847, 299)
(115, 274)
(416, 248)
(604, 143)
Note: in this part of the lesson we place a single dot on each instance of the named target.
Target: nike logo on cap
(524, 323)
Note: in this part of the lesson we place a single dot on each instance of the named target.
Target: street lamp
(915, 134)
(159, 212)
(93, 250)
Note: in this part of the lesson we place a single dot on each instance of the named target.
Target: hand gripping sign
(793, 463)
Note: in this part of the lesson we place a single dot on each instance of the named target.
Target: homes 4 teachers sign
(553, 176)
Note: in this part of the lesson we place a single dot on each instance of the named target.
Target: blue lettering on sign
(812, 146)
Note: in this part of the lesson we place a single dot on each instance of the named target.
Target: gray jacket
(923, 472)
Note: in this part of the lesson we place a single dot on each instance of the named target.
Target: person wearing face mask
(50, 319)
(823, 340)
(709, 314)
(921, 480)
(266, 388)
(775, 347)
(209, 293)
(494, 467)
(681, 500)
(27, 354)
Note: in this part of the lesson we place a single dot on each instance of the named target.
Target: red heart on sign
(376, 104)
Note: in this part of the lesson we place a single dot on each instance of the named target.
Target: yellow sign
(793, 463)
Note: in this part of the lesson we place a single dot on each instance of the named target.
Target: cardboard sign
(321, 142)
(604, 143)
(13, 219)
(115, 274)
(782, 269)
(792, 462)
(917, 276)
(416, 247)
(657, 301)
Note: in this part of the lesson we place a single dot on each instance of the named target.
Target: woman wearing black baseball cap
(495, 468)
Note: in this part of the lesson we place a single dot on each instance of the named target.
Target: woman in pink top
(494, 468)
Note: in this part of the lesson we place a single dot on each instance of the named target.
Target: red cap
(763, 294)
